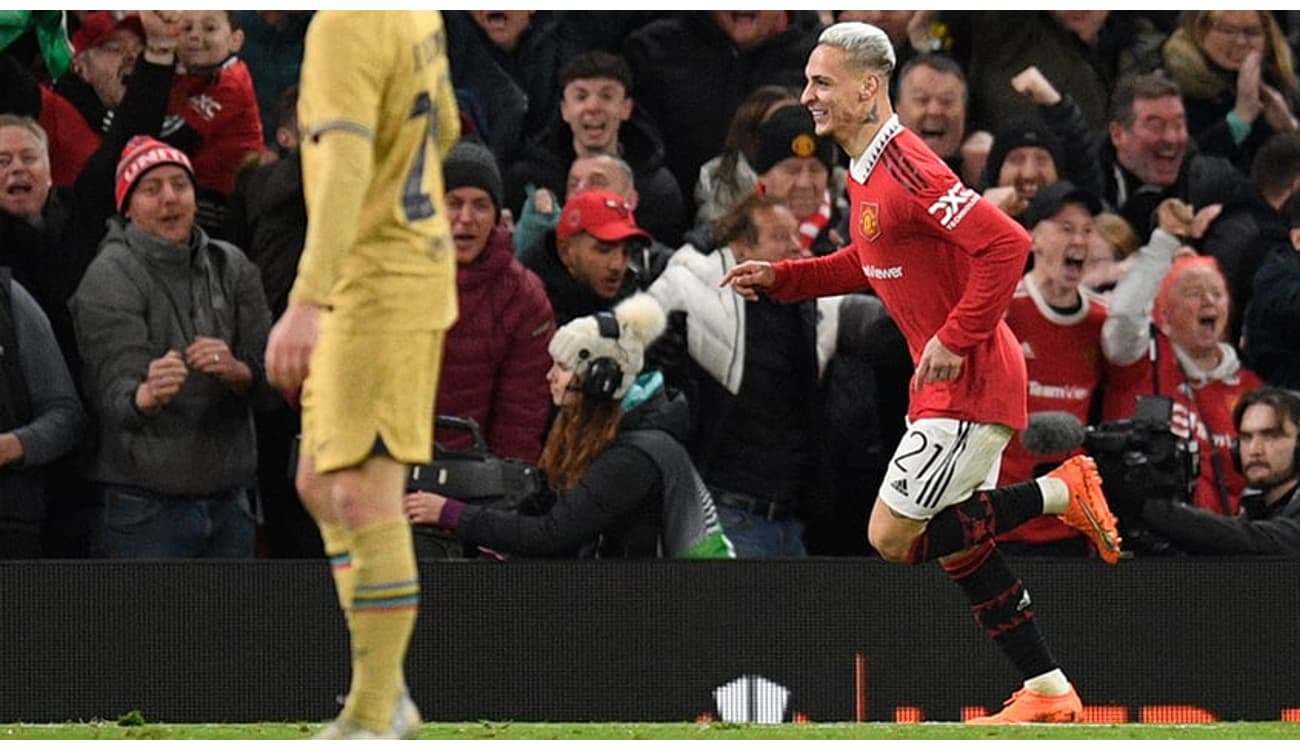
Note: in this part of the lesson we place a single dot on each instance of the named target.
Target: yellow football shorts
(368, 386)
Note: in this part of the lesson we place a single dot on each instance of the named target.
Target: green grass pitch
(712, 731)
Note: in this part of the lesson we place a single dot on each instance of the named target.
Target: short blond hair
(865, 47)
(1117, 232)
(8, 120)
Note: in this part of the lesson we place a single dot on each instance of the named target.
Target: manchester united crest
(869, 221)
(803, 145)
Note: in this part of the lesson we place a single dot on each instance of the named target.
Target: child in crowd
(213, 112)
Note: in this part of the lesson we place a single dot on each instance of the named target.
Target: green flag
(51, 30)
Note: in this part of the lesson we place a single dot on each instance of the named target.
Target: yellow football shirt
(386, 263)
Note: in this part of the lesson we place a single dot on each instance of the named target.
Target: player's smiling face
(834, 94)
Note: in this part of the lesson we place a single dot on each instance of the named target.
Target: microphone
(1051, 432)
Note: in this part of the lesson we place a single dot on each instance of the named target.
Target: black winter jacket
(690, 77)
(545, 164)
(1267, 530)
(615, 509)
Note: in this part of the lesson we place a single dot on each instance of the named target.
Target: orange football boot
(1027, 707)
(1088, 512)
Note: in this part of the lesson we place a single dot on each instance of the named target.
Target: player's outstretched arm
(750, 278)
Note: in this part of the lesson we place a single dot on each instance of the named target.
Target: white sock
(1049, 683)
(1056, 494)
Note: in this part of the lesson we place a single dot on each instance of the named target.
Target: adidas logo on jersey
(1027, 350)
(900, 486)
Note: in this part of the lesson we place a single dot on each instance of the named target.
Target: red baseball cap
(601, 214)
(98, 24)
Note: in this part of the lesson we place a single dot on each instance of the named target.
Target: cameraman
(1267, 421)
(1182, 336)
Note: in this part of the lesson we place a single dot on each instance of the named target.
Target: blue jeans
(755, 536)
(138, 524)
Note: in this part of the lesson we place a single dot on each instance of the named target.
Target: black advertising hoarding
(1158, 640)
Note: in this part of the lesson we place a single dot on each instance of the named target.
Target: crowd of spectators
(152, 217)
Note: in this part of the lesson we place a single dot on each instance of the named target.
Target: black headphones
(604, 376)
(1291, 401)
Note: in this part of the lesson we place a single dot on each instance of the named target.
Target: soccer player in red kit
(945, 265)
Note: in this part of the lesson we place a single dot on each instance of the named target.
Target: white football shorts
(941, 462)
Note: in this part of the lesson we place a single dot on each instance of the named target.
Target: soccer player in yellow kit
(364, 329)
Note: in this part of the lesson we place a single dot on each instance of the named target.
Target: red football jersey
(222, 108)
(942, 261)
(1064, 361)
(1065, 364)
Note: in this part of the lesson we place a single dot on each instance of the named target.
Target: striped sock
(384, 605)
(338, 548)
(976, 521)
(1002, 607)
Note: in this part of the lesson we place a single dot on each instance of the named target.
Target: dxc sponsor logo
(954, 205)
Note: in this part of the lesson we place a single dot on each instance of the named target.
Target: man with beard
(586, 262)
(534, 228)
(1267, 420)
(1025, 158)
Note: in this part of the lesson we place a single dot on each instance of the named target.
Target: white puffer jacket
(715, 329)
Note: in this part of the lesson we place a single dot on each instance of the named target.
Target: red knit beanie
(143, 153)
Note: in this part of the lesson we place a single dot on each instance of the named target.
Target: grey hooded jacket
(140, 297)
